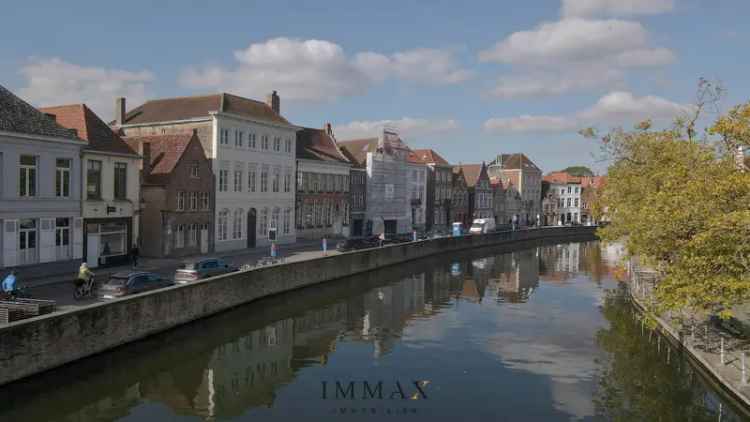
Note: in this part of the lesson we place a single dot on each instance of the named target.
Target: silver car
(203, 268)
(127, 283)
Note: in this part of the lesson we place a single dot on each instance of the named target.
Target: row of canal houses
(203, 174)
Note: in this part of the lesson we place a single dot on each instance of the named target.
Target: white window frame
(62, 174)
(181, 200)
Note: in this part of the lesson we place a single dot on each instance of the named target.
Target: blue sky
(469, 80)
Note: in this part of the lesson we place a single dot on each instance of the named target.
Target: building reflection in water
(229, 365)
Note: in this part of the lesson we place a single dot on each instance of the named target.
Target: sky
(469, 79)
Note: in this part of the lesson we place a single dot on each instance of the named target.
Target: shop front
(108, 241)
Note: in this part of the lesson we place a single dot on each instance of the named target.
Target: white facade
(254, 165)
(110, 213)
(568, 202)
(417, 191)
(40, 199)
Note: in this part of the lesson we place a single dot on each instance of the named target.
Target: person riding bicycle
(9, 284)
(84, 275)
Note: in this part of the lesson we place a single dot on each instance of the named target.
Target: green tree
(579, 171)
(682, 204)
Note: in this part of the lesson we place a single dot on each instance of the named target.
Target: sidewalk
(63, 272)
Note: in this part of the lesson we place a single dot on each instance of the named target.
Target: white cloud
(615, 108)
(572, 40)
(615, 7)
(321, 70)
(571, 55)
(407, 127)
(53, 81)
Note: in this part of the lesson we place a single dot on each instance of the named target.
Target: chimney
(329, 129)
(119, 110)
(274, 102)
(146, 147)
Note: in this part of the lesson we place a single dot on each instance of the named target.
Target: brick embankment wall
(31, 346)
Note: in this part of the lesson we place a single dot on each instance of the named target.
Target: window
(223, 180)
(62, 178)
(27, 176)
(287, 220)
(194, 169)
(179, 236)
(576, 189)
(238, 177)
(251, 140)
(27, 235)
(346, 183)
(263, 223)
(576, 202)
(193, 201)
(222, 224)
(277, 144)
(264, 141)
(238, 135)
(205, 201)
(237, 224)
(180, 201)
(94, 179)
(251, 168)
(315, 186)
(568, 201)
(301, 178)
(121, 180)
(288, 181)
(569, 189)
(264, 178)
(62, 232)
(193, 234)
(224, 138)
(276, 174)
(288, 145)
(275, 218)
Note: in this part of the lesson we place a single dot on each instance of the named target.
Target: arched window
(222, 224)
(237, 223)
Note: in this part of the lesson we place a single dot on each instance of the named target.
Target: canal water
(541, 334)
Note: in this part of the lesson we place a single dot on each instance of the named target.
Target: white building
(388, 202)
(111, 200)
(252, 152)
(417, 188)
(40, 186)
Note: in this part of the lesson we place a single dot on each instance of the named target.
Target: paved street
(60, 288)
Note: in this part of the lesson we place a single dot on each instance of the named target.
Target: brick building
(526, 178)
(480, 190)
(178, 194)
(459, 208)
(322, 202)
(439, 188)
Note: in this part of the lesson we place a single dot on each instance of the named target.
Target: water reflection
(530, 335)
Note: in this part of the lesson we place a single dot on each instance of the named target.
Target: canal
(541, 334)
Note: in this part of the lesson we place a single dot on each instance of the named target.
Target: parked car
(202, 268)
(356, 243)
(482, 226)
(127, 283)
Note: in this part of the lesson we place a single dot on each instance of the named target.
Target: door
(92, 250)
(391, 226)
(62, 239)
(27, 242)
(357, 229)
(251, 229)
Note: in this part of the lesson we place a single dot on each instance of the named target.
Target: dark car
(356, 243)
(202, 268)
(127, 283)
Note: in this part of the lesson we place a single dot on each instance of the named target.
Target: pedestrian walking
(134, 255)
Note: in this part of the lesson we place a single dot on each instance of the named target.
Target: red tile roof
(429, 156)
(89, 127)
(185, 108)
(166, 152)
(472, 172)
(316, 144)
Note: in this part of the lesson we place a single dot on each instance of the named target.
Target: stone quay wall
(38, 344)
